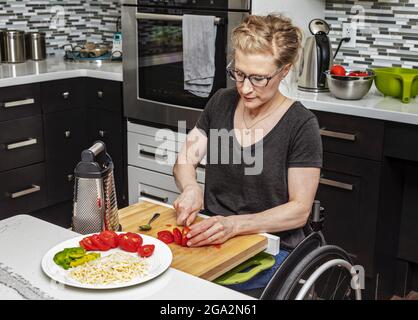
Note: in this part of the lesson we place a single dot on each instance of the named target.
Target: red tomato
(184, 241)
(165, 236)
(95, 239)
(130, 242)
(110, 238)
(338, 70)
(88, 245)
(146, 251)
(177, 236)
(186, 230)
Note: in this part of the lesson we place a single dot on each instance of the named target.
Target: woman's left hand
(214, 230)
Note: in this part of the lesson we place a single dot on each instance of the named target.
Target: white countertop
(25, 239)
(373, 105)
(55, 68)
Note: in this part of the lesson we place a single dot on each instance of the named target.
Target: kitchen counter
(373, 105)
(55, 68)
(23, 242)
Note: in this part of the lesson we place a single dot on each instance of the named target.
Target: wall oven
(153, 57)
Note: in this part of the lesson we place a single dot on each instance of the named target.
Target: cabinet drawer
(65, 134)
(19, 101)
(354, 136)
(153, 131)
(104, 94)
(144, 190)
(65, 94)
(349, 192)
(22, 190)
(21, 142)
(148, 153)
(151, 179)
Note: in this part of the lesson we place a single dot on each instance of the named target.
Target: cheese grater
(95, 205)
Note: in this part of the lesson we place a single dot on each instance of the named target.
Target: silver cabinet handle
(67, 133)
(162, 199)
(336, 184)
(102, 133)
(21, 144)
(100, 94)
(152, 154)
(338, 135)
(22, 193)
(17, 103)
(166, 17)
(70, 177)
(65, 95)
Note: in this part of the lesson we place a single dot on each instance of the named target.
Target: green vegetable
(73, 257)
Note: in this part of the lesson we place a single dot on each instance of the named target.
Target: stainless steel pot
(35, 45)
(13, 46)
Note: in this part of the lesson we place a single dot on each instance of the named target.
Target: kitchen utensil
(207, 262)
(316, 59)
(349, 87)
(147, 227)
(158, 263)
(13, 44)
(399, 83)
(91, 50)
(95, 205)
(35, 46)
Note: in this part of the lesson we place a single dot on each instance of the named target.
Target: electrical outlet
(350, 31)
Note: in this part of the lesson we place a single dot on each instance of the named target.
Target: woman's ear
(287, 69)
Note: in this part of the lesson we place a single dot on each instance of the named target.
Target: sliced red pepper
(165, 236)
(177, 236)
(146, 251)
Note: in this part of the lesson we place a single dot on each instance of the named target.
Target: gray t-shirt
(231, 186)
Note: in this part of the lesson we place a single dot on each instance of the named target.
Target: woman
(278, 199)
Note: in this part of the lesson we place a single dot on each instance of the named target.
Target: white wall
(300, 11)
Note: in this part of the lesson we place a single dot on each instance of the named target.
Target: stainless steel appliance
(35, 45)
(95, 206)
(153, 56)
(317, 58)
(13, 46)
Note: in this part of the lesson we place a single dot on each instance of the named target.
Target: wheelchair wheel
(324, 274)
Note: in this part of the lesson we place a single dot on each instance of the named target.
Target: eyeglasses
(256, 80)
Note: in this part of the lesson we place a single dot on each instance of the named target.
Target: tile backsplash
(387, 34)
(63, 21)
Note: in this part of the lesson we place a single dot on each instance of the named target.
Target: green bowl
(399, 83)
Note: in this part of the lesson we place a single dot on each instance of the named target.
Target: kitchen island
(23, 242)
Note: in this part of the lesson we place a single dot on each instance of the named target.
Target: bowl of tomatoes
(349, 84)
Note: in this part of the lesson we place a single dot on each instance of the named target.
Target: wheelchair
(314, 270)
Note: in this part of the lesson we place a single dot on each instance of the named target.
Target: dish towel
(199, 36)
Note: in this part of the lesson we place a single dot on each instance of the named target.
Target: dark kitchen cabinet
(59, 95)
(65, 139)
(347, 191)
(43, 129)
(19, 101)
(22, 190)
(21, 142)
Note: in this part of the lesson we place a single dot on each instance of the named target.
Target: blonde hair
(273, 33)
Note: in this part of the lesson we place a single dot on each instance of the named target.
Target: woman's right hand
(188, 204)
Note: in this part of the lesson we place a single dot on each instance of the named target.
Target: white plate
(157, 263)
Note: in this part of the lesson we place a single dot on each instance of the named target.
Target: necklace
(247, 129)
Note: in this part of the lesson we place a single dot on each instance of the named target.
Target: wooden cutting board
(207, 262)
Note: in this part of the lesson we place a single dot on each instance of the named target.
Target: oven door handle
(167, 17)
